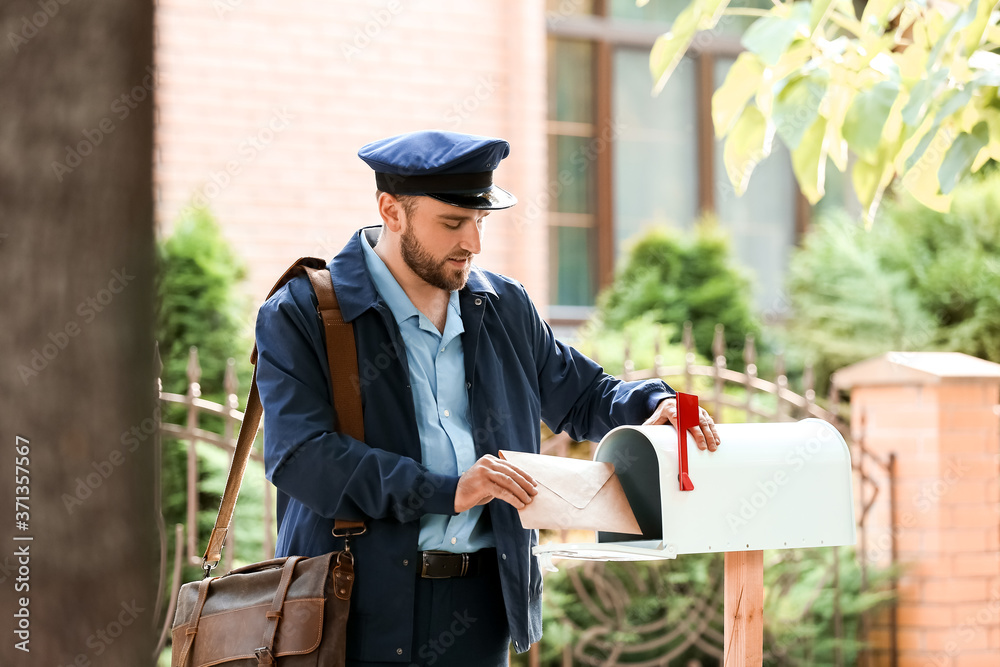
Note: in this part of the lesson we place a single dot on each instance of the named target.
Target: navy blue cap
(449, 166)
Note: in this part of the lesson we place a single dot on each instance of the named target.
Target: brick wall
(944, 433)
(262, 106)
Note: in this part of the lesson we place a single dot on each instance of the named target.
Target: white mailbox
(768, 486)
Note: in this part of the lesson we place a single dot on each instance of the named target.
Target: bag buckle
(263, 655)
(208, 567)
(350, 532)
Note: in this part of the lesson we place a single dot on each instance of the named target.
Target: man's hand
(491, 478)
(704, 433)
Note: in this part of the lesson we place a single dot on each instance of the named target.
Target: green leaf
(921, 147)
(922, 95)
(922, 180)
(972, 35)
(670, 47)
(954, 101)
(746, 145)
(871, 178)
(790, 61)
(809, 162)
(866, 118)
(819, 10)
(838, 102)
(958, 22)
(960, 156)
(797, 105)
(771, 36)
(876, 14)
(741, 82)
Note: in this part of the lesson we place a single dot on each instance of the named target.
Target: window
(625, 161)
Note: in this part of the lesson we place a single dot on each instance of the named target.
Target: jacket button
(479, 302)
(405, 562)
(504, 556)
(399, 651)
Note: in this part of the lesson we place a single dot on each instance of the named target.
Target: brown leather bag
(291, 608)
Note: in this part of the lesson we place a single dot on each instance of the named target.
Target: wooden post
(743, 627)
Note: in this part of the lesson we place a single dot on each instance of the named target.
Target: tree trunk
(78, 573)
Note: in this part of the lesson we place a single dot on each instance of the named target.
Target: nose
(472, 238)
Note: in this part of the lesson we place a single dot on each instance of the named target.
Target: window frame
(607, 34)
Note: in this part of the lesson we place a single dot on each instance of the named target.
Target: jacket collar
(354, 286)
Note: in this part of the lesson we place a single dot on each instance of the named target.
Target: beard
(433, 271)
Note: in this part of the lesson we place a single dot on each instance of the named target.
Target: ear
(391, 211)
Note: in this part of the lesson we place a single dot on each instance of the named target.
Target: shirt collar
(399, 304)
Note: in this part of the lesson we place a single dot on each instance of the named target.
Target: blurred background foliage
(799, 607)
(918, 280)
(669, 278)
(200, 305)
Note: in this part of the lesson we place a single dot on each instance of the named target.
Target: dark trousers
(459, 621)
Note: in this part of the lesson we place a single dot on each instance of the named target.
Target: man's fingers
(511, 499)
(521, 477)
(718, 440)
(503, 482)
(699, 437)
(711, 439)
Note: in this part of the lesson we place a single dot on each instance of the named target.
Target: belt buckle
(423, 568)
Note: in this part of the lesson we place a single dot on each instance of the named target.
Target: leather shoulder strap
(343, 360)
(342, 356)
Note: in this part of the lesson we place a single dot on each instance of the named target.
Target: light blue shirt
(437, 380)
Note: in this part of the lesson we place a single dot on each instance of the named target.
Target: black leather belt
(444, 564)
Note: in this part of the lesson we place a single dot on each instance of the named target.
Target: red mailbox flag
(687, 416)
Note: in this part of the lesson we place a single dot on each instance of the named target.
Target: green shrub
(673, 279)
(199, 305)
(919, 280)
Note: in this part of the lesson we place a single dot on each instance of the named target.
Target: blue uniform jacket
(517, 375)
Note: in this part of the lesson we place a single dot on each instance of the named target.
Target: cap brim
(493, 199)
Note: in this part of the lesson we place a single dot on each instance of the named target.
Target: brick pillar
(938, 413)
